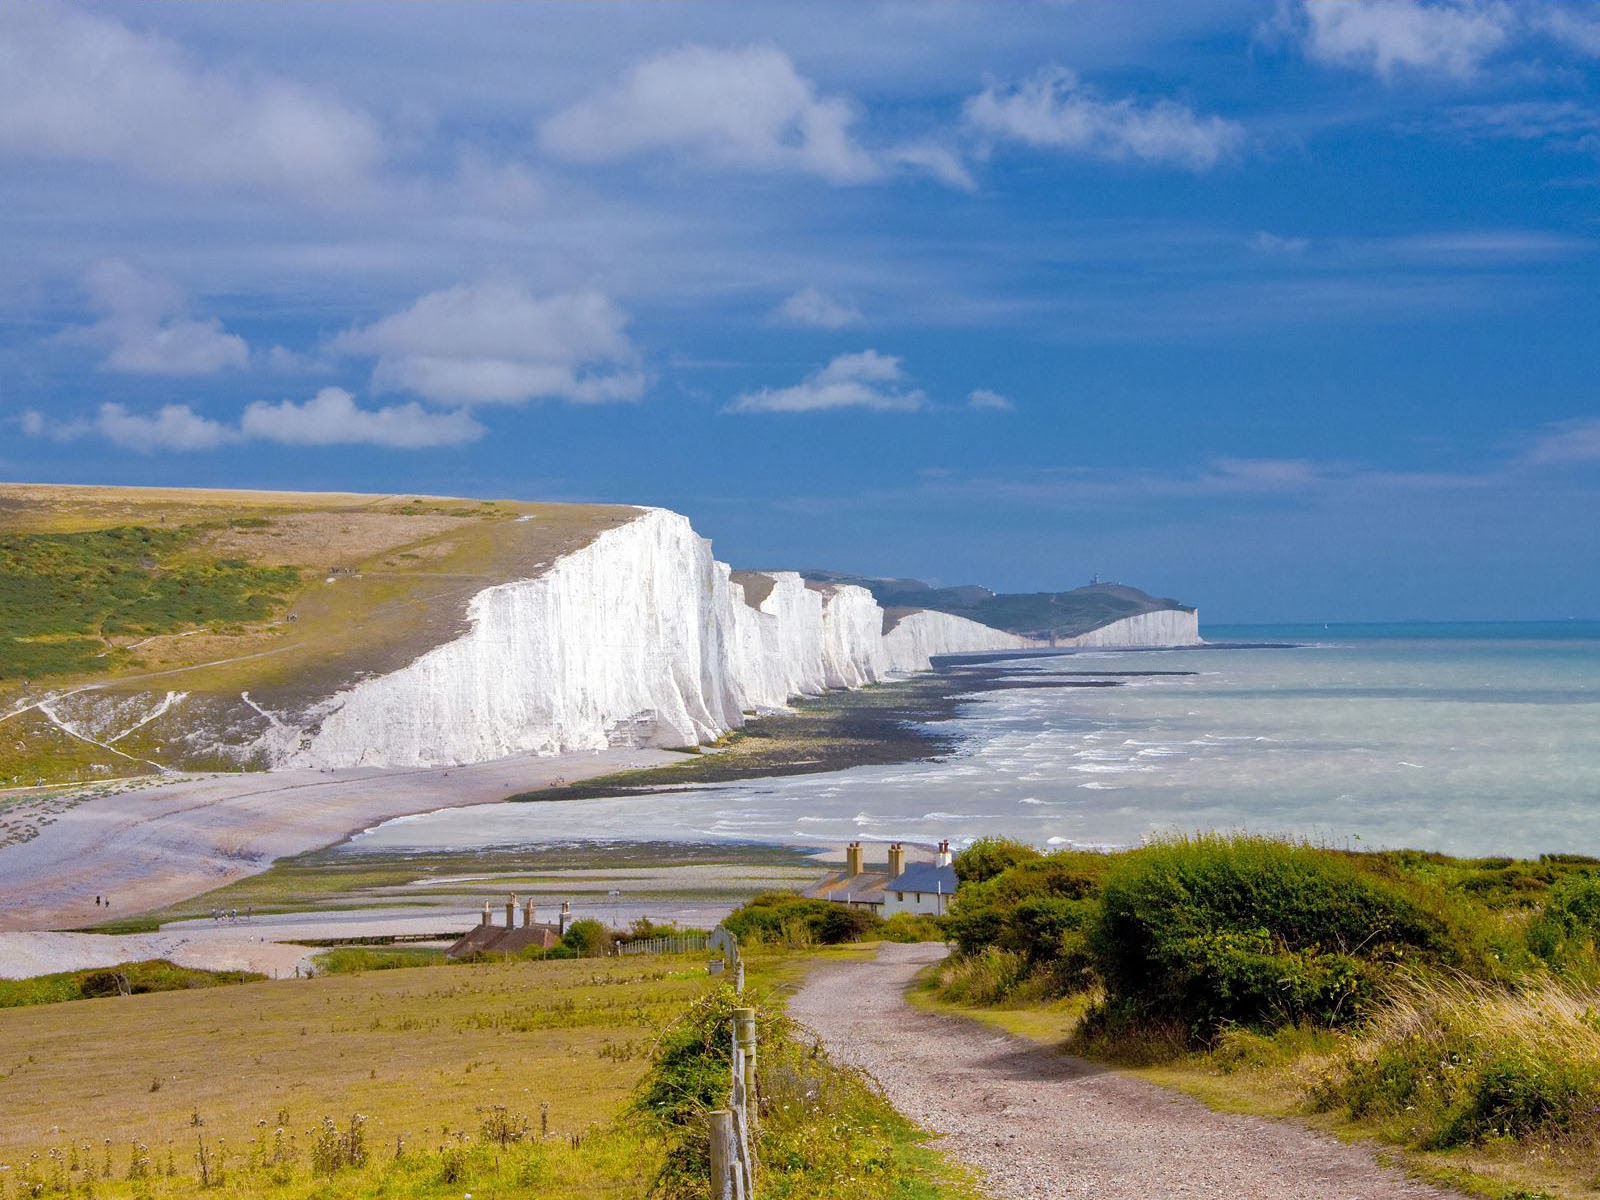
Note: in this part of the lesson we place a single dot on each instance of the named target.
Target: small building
(923, 888)
(857, 885)
(489, 938)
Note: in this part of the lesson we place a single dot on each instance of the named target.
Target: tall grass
(825, 1132)
(1455, 1062)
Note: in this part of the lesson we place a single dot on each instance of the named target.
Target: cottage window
(900, 896)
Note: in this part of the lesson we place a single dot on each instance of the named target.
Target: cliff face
(640, 637)
(632, 635)
(916, 638)
(1167, 627)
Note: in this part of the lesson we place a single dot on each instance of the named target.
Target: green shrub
(989, 856)
(784, 917)
(587, 938)
(913, 927)
(352, 960)
(1031, 907)
(134, 978)
(1564, 933)
(1210, 931)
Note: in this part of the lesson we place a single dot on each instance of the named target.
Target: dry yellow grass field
(424, 1054)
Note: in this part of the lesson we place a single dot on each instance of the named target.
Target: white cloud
(1386, 36)
(493, 343)
(1271, 243)
(75, 85)
(941, 162)
(817, 310)
(1580, 33)
(1568, 125)
(864, 380)
(332, 418)
(1566, 443)
(145, 329)
(172, 428)
(746, 108)
(1054, 110)
(983, 398)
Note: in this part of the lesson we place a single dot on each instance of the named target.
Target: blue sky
(1287, 311)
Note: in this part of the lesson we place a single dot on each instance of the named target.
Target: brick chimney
(566, 916)
(511, 911)
(488, 919)
(852, 859)
(944, 858)
(897, 860)
(527, 914)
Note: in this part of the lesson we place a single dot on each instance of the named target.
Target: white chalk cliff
(640, 637)
(1164, 627)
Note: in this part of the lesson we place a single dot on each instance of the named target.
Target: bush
(913, 927)
(987, 857)
(784, 917)
(587, 938)
(1210, 931)
(1031, 907)
(1564, 934)
(133, 978)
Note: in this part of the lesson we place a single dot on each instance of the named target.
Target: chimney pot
(852, 859)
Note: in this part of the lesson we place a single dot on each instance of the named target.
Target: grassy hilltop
(286, 595)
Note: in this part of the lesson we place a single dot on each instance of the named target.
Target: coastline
(146, 847)
(880, 725)
(151, 848)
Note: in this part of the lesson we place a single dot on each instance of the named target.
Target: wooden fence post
(723, 1154)
(744, 1025)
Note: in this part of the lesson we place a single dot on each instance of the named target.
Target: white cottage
(921, 888)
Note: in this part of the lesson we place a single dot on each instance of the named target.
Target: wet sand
(150, 846)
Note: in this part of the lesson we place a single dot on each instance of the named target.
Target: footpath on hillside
(1041, 1124)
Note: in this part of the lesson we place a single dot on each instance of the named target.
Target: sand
(150, 846)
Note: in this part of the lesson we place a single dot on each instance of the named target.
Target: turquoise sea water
(1472, 738)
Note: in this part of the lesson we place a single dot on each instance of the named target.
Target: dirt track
(1040, 1124)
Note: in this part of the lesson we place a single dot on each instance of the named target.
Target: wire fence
(677, 943)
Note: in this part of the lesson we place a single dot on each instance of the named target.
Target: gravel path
(1045, 1125)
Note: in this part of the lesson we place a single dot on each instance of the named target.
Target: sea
(1470, 738)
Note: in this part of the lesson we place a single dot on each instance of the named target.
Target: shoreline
(883, 724)
(146, 847)
(151, 848)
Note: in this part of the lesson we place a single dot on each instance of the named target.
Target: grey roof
(864, 888)
(924, 877)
